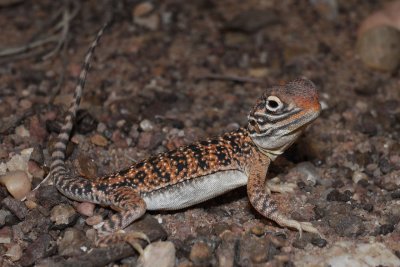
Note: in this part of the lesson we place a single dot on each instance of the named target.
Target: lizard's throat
(275, 152)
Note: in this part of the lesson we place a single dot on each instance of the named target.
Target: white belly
(194, 191)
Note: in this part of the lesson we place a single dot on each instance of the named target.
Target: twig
(21, 49)
(231, 78)
(53, 36)
(63, 37)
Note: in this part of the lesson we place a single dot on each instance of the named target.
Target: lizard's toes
(280, 187)
(132, 238)
(308, 227)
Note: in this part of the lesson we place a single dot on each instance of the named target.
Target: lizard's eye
(273, 103)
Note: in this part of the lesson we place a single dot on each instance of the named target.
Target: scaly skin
(205, 169)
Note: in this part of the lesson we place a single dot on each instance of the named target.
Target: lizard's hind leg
(130, 207)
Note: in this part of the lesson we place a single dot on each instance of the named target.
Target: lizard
(200, 171)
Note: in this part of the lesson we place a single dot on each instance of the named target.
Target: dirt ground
(168, 73)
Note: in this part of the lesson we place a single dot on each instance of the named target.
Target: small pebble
(37, 155)
(99, 140)
(37, 249)
(200, 254)
(309, 174)
(63, 215)
(86, 167)
(5, 235)
(22, 131)
(385, 229)
(31, 204)
(25, 104)
(17, 183)
(146, 125)
(142, 17)
(94, 220)
(395, 194)
(319, 242)
(35, 170)
(357, 176)
(71, 243)
(16, 207)
(160, 254)
(257, 230)
(85, 208)
(14, 253)
(335, 195)
(143, 9)
(328, 9)
(378, 48)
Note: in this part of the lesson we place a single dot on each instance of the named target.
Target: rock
(328, 9)
(35, 170)
(378, 48)
(86, 166)
(346, 224)
(63, 215)
(22, 131)
(38, 249)
(258, 230)
(85, 122)
(94, 220)
(14, 253)
(319, 242)
(85, 208)
(388, 16)
(226, 251)
(5, 217)
(143, 16)
(37, 155)
(146, 125)
(253, 20)
(17, 207)
(150, 226)
(385, 229)
(48, 196)
(160, 254)
(308, 173)
(99, 140)
(5, 235)
(200, 254)
(358, 176)
(119, 139)
(335, 195)
(143, 9)
(36, 129)
(149, 140)
(72, 243)
(19, 162)
(347, 253)
(17, 183)
(367, 124)
(3, 153)
(255, 250)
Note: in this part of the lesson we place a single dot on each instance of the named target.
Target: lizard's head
(281, 114)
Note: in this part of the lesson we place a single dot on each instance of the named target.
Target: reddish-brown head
(282, 113)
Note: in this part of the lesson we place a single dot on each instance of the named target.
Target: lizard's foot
(132, 238)
(300, 226)
(274, 185)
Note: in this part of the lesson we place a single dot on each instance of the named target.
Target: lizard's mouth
(253, 126)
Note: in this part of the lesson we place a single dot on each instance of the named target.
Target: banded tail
(58, 169)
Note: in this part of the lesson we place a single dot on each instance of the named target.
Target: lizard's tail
(58, 168)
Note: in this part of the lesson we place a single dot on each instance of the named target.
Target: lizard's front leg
(261, 199)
